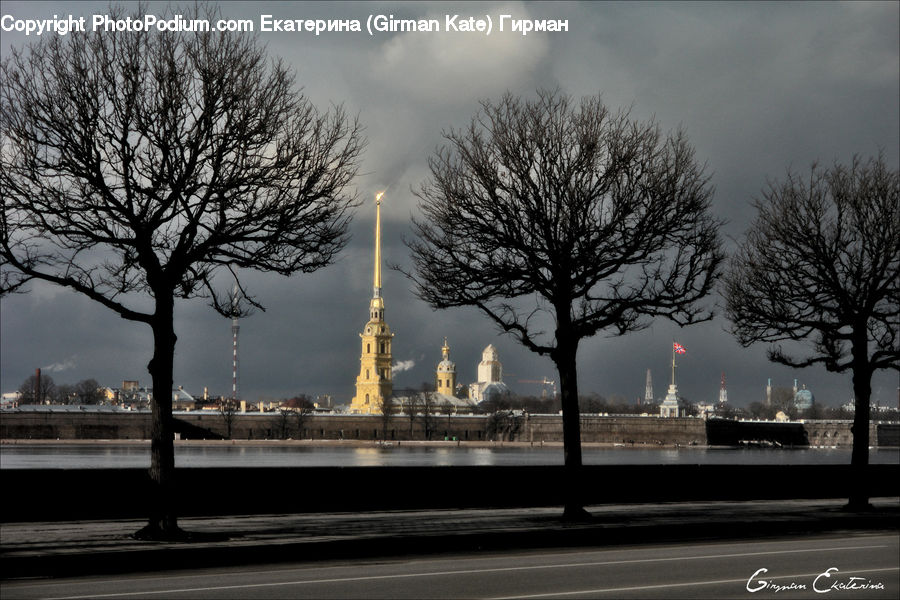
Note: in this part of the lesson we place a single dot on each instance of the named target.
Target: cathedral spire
(374, 384)
(376, 306)
(377, 279)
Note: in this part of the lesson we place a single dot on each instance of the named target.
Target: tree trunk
(862, 392)
(163, 522)
(565, 359)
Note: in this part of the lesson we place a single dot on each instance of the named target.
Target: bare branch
(822, 264)
(599, 215)
(145, 165)
(598, 221)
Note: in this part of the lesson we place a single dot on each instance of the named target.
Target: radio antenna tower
(648, 392)
(235, 329)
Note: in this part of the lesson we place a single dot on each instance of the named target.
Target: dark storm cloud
(758, 87)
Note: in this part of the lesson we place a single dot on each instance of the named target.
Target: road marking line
(639, 588)
(466, 572)
(490, 558)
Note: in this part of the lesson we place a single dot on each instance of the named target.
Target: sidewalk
(95, 547)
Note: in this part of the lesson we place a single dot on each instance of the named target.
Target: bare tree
(282, 422)
(783, 401)
(560, 220)
(88, 391)
(412, 406)
(759, 410)
(296, 409)
(387, 407)
(821, 266)
(135, 168)
(35, 391)
(65, 394)
(447, 409)
(302, 407)
(429, 411)
(228, 408)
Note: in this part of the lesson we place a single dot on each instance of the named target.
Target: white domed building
(490, 384)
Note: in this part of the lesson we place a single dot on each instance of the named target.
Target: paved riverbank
(95, 547)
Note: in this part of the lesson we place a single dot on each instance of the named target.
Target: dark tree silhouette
(412, 406)
(32, 393)
(821, 265)
(228, 409)
(137, 167)
(88, 391)
(560, 220)
(282, 422)
(387, 408)
(302, 407)
(429, 410)
(446, 408)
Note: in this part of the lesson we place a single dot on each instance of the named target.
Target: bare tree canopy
(136, 165)
(821, 265)
(86, 391)
(128, 158)
(36, 390)
(560, 219)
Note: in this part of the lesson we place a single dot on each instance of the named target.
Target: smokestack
(37, 386)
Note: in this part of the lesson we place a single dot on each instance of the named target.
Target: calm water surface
(88, 456)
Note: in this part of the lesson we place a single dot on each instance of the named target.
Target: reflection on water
(87, 456)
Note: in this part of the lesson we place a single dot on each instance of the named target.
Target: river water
(101, 456)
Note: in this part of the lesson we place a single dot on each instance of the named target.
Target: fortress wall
(74, 425)
(629, 430)
(833, 433)
(522, 428)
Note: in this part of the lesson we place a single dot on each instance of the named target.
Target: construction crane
(542, 382)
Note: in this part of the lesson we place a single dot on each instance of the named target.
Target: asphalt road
(794, 567)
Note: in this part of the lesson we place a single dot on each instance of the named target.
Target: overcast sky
(758, 87)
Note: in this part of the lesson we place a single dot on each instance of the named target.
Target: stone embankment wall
(522, 428)
(621, 430)
(628, 430)
(834, 433)
(204, 492)
(74, 425)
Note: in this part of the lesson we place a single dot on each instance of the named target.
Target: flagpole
(673, 362)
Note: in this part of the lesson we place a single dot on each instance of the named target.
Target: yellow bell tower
(445, 376)
(374, 384)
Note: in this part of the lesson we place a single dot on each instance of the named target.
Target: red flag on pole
(678, 348)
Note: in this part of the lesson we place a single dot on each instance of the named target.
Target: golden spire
(377, 282)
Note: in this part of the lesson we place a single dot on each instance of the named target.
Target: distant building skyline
(757, 88)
